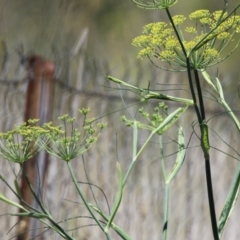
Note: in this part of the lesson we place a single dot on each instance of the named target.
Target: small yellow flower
(224, 36)
(203, 13)
(171, 43)
(167, 55)
(189, 45)
(191, 30)
(219, 14)
(148, 51)
(206, 20)
(179, 19)
(211, 54)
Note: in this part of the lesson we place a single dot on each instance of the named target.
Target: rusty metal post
(39, 105)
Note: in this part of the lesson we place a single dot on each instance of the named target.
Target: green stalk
(166, 196)
(57, 228)
(204, 133)
(117, 229)
(171, 118)
(205, 148)
(162, 159)
(147, 94)
(117, 201)
(166, 207)
(84, 200)
(167, 179)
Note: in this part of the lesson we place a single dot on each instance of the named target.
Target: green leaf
(147, 94)
(230, 202)
(219, 88)
(180, 156)
(8, 201)
(209, 81)
(171, 119)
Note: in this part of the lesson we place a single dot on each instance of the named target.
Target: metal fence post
(39, 105)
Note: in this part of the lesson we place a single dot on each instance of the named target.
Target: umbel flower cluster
(153, 121)
(155, 4)
(201, 43)
(63, 141)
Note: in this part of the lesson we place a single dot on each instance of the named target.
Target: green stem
(118, 230)
(231, 114)
(147, 94)
(84, 200)
(204, 132)
(205, 148)
(161, 126)
(162, 158)
(166, 206)
(62, 232)
(136, 156)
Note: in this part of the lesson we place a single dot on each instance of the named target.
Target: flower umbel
(20, 144)
(66, 142)
(153, 120)
(202, 42)
(23, 142)
(156, 4)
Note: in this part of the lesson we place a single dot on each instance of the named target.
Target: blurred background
(89, 40)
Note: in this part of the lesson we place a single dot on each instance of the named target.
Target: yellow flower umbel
(153, 120)
(23, 142)
(65, 143)
(209, 35)
(20, 144)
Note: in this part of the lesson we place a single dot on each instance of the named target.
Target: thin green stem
(62, 232)
(33, 192)
(135, 158)
(230, 113)
(162, 158)
(167, 120)
(118, 230)
(147, 94)
(166, 207)
(84, 200)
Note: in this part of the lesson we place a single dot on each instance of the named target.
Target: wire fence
(82, 82)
